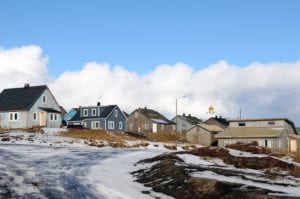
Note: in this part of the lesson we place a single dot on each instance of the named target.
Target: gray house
(185, 122)
(29, 106)
(109, 118)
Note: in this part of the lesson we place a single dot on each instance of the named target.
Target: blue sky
(140, 35)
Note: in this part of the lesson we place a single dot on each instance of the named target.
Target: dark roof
(219, 119)
(104, 110)
(20, 98)
(154, 116)
(190, 119)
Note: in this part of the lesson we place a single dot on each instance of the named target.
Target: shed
(203, 134)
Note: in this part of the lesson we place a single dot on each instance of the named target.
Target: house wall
(198, 135)
(276, 143)
(294, 144)
(51, 103)
(138, 123)
(20, 123)
(182, 125)
(259, 123)
(120, 118)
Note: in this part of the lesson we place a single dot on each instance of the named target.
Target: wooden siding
(198, 135)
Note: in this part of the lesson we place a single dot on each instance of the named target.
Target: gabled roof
(188, 118)
(104, 112)
(20, 98)
(250, 132)
(208, 127)
(154, 116)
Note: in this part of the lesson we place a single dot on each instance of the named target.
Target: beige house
(268, 132)
(203, 134)
(144, 120)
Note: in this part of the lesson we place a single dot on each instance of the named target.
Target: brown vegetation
(166, 137)
(96, 135)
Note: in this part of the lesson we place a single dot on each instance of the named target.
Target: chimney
(98, 104)
(189, 115)
(145, 108)
(183, 114)
(26, 85)
(98, 107)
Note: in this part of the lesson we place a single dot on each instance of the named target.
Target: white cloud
(262, 90)
(23, 64)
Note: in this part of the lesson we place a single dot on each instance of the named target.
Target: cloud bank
(261, 90)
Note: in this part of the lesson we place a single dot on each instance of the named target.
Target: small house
(109, 118)
(184, 122)
(144, 120)
(268, 132)
(29, 106)
(203, 134)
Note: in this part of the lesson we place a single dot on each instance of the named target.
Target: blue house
(29, 106)
(109, 118)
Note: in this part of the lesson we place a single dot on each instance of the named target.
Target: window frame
(44, 99)
(116, 113)
(85, 112)
(120, 125)
(13, 116)
(111, 125)
(94, 126)
(94, 112)
(34, 116)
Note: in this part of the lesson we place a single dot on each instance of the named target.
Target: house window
(85, 112)
(44, 99)
(272, 123)
(131, 126)
(116, 113)
(13, 116)
(34, 116)
(120, 125)
(268, 143)
(93, 112)
(53, 116)
(95, 124)
(242, 124)
(111, 124)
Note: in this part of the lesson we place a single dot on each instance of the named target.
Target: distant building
(203, 134)
(268, 132)
(185, 122)
(219, 121)
(147, 120)
(109, 118)
(29, 106)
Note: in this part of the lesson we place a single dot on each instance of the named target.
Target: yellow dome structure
(211, 109)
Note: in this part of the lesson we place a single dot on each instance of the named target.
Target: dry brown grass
(96, 135)
(166, 137)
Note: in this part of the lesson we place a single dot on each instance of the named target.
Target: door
(42, 118)
(293, 144)
(154, 128)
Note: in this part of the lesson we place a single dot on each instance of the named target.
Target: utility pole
(176, 111)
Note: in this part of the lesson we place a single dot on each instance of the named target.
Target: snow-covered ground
(49, 166)
(35, 165)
